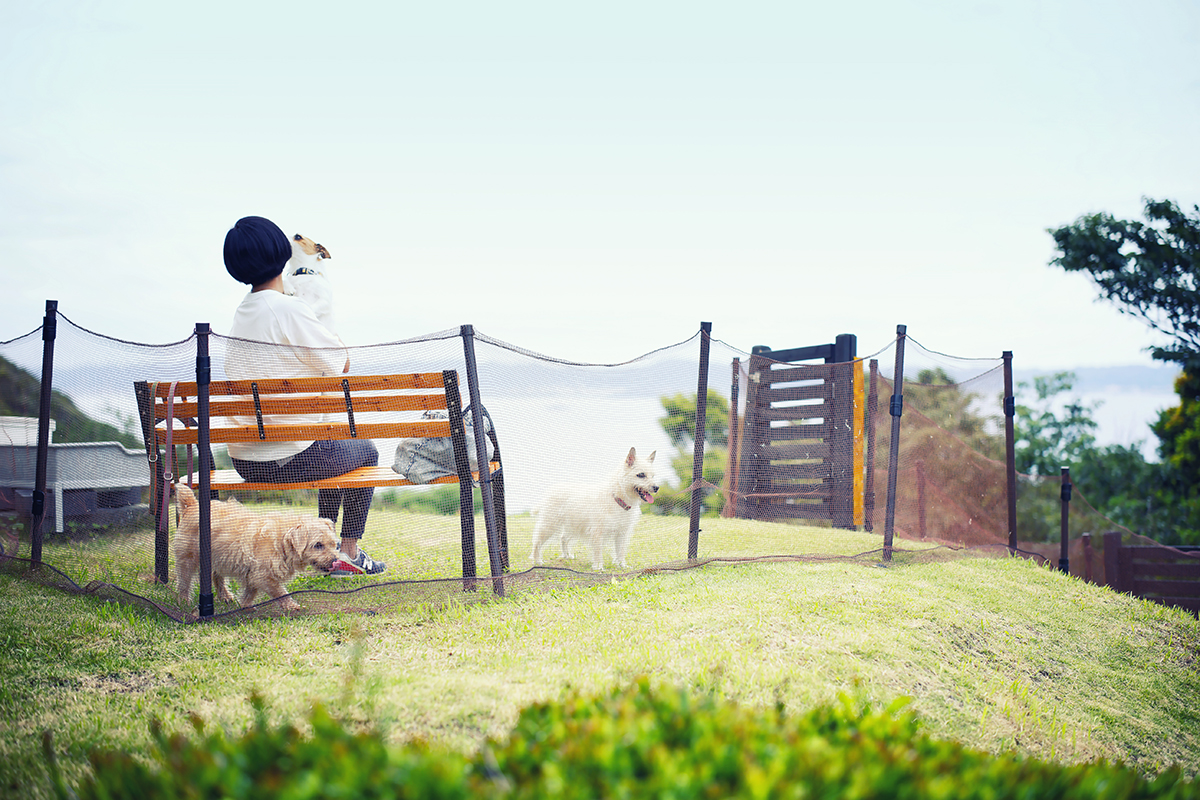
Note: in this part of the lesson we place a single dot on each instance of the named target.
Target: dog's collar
(622, 503)
(305, 271)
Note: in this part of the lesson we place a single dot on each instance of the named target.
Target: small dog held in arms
(304, 276)
(602, 515)
(262, 552)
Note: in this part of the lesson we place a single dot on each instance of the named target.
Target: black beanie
(256, 250)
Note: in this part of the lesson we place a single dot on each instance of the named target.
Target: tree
(1048, 440)
(680, 425)
(947, 404)
(1149, 270)
(1178, 428)
(680, 422)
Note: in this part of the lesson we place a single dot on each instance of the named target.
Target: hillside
(997, 653)
(20, 396)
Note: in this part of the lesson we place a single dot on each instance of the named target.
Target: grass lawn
(997, 653)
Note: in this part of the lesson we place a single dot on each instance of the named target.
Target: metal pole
(731, 475)
(37, 508)
(1064, 560)
(698, 451)
(203, 377)
(896, 409)
(495, 558)
(1010, 450)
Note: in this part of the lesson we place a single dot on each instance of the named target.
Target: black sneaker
(363, 564)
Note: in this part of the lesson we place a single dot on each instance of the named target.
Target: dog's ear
(652, 454)
(292, 548)
(629, 459)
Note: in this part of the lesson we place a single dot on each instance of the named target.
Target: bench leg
(466, 516)
(501, 519)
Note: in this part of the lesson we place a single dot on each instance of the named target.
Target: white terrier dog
(304, 276)
(601, 515)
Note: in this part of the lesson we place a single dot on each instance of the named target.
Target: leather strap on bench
(169, 466)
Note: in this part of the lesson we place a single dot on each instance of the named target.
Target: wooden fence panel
(1162, 574)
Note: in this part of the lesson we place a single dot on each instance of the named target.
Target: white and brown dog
(305, 276)
(602, 515)
(262, 552)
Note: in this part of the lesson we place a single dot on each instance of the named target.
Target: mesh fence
(795, 465)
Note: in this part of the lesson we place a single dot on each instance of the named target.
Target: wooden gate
(799, 453)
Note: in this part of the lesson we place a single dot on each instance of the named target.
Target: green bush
(641, 743)
(634, 742)
(278, 763)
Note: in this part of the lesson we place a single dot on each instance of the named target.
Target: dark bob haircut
(256, 250)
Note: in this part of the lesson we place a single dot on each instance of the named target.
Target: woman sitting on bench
(256, 251)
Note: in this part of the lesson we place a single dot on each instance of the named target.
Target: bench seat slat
(227, 479)
(427, 428)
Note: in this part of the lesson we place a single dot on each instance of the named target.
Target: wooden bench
(172, 415)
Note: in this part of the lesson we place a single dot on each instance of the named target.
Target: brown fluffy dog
(262, 552)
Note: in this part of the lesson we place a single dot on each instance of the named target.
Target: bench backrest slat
(357, 383)
(305, 404)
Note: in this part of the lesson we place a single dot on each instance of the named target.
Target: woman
(256, 251)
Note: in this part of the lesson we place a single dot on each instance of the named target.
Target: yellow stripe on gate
(860, 468)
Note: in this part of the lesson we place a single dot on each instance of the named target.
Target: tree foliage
(1049, 439)
(680, 425)
(954, 409)
(680, 421)
(1150, 270)
(1056, 430)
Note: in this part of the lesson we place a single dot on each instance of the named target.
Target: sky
(593, 181)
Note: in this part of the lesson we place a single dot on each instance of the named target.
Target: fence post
(1010, 451)
(1064, 558)
(1087, 557)
(37, 510)
(896, 409)
(731, 469)
(751, 437)
(698, 451)
(1112, 561)
(203, 377)
(921, 529)
(497, 559)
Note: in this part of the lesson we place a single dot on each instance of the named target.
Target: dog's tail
(184, 496)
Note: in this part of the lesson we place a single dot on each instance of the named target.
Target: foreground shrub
(635, 742)
(278, 763)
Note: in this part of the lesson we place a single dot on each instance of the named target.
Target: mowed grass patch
(420, 546)
(997, 653)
